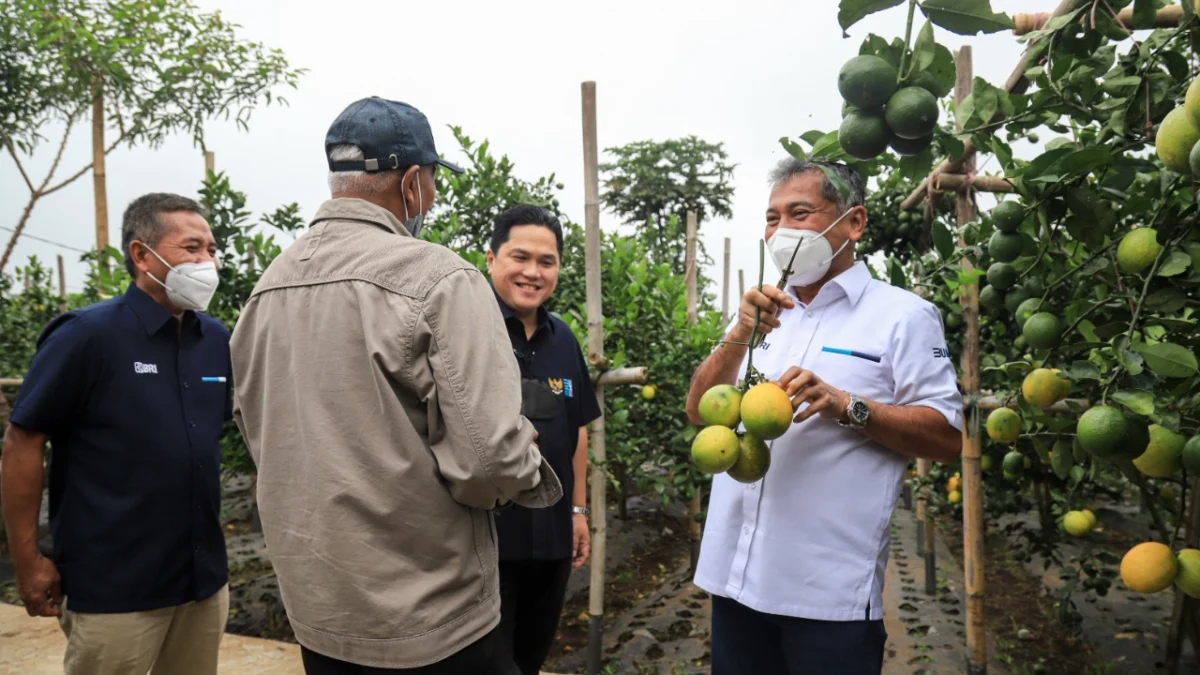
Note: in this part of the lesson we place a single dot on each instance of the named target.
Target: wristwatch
(581, 510)
(857, 413)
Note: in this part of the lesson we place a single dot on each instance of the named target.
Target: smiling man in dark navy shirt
(131, 393)
(540, 547)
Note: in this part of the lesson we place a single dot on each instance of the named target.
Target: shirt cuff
(546, 492)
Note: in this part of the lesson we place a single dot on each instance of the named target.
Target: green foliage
(648, 182)
(163, 68)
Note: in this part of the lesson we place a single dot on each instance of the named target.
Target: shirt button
(809, 315)
(193, 425)
(199, 465)
(746, 530)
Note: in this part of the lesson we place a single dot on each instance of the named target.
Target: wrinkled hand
(40, 588)
(771, 301)
(803, 386)
(583, 541)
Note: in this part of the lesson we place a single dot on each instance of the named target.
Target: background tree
(142, 69)
(649, 181)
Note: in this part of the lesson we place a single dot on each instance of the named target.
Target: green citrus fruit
(1191, 103)
(1026, 309)
(991, 299)
(863, 135)
(1007, 216)
(929, 82)
(912, 113)
(867, 81)
(1188, 579)
(1149, 567)
(1002, 275)
(1042, 330)
(1176, 137)
(1004, 425)
(1191, 455)
(1005, 247)
(1194, 159)
(1014, 298)
(907, 147)
(1076, 523)
(1160, 457)
(754, 459)
(847, 108)
(954, 321)
(1035, 286)
(986, 462)
(1137, 250)
(766, 411)
(721, 405)
(715, 449)
(1105, 432)
(1014, 463)
(1020, 343)
(649, 391)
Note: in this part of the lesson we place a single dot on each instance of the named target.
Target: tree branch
(58, 156)
(20, 167)
(84, 170)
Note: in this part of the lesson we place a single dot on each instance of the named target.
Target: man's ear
(409, 192)
(857, 223)
(491, 260)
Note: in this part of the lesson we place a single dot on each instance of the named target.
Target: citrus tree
(1088, 269)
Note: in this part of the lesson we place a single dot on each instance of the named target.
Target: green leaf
(1083, 370)
(827, 147)
(1122, 86)
(1137, 400)
(793, 148)
(851, 12)
(1167, 300)
(1086, 160)
(812, 136)
(987, 99)
(966, 17)
(1144, 12)
(950, 145)
(1193, 250)
(1169, 360)
(916, 167)
(1177, 262)
(896, 273)
(942, 240)
(942, 69)
(923, 49)
(838, 182)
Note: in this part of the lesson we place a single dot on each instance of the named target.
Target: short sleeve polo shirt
(552, 356)
(811, 538)
(134, 406)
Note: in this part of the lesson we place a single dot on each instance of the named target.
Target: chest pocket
(538, 401)
(863, 371)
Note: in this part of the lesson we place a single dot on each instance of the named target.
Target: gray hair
(791, 167)
(359, 182)
(141, 221)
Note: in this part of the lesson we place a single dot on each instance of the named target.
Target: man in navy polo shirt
(131, 393)
(540, 547)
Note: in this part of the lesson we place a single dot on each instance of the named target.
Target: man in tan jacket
(380, 399)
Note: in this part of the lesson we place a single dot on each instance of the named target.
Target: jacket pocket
(484, 529)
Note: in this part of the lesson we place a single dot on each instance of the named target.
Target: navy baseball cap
(392, 135)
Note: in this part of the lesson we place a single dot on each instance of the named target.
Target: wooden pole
(210, 162)
(972, 473)
(595, 319)
(1017, 84)
(741, 286)
(926, 545)
(725, 285)
(956, 181)
(99, 174)
(1166, 17)
(62, 281)
(693, 512)
(618, 376)
(922, 506)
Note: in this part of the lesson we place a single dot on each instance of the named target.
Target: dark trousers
(474, 658)
(748, 642)
(531, 600)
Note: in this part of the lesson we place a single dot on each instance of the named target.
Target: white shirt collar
(853, 282)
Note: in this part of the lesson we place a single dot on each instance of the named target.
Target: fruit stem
(1150, 277)
(1159, 523)
(757, 316)
(912, 10)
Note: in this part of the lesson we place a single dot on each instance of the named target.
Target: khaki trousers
(179, 640)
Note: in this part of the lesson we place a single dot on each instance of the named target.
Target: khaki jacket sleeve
(485, 451)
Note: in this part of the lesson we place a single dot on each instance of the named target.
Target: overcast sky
(742, 73)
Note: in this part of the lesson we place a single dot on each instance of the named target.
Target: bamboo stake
(620, 376)
(99, 174)
(1166, 17)
(725, 285)
(1183, 615)
(741, 286)
(923, 551)
(210, 162)
(595, 319)
(973, 549)
(693, 512)
(1017, 83)
(956, 181)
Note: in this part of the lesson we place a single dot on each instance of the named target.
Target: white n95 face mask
(808, 253)
(189, 285)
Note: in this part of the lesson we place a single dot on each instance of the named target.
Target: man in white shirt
(795, 561)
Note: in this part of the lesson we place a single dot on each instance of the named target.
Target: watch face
(859, 411)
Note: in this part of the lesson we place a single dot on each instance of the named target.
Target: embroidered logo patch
(562, 387)
(145, 368)
(941, 353)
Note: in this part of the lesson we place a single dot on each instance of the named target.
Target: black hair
(142, 221)
(525, 214)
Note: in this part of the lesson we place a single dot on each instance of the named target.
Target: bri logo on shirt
(144, 368)
(941, 353)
